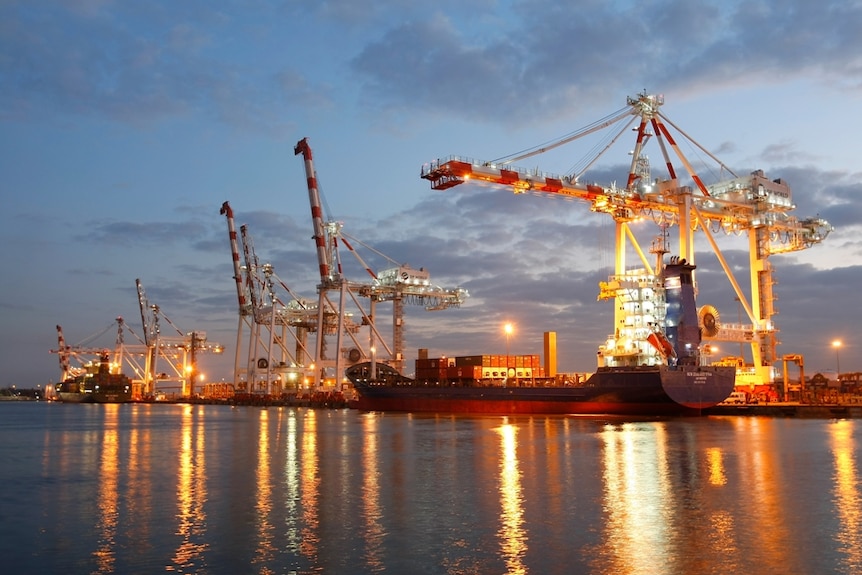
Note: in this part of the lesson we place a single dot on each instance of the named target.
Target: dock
(790, 409)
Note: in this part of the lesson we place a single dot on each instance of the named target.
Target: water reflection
(291, 485)
(715, 461)
(132, 489)
(309, 486)
(846, 495)
(263, 500)
(637, 488)
(761, 468)
(108, 493)
(139, 486)
(374, 533)
(191, 491)
(513, 537)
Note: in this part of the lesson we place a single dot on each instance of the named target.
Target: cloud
(140, 64)
(830, 194)
(551, 55)
(527, 61)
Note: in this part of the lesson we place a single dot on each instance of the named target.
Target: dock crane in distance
(87, 355)
(750, 204)
(273, 319)
(273, 314)
(179, 352)
(399, 284)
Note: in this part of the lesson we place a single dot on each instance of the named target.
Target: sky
(124, 126)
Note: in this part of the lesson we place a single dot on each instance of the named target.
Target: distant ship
(652, 366)
(99, 386)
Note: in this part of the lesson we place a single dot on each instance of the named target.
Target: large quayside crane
(400, 284)
(754, 205)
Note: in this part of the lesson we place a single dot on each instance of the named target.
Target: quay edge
(798, 410)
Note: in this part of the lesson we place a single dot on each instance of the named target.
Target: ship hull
(657, 390)
(109, 394)
(74, 397)
(97, 388)
(113, 394)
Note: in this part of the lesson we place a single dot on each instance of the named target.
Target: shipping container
(469, 360)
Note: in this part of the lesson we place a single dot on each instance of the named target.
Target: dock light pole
(837, 345)
(508, 328)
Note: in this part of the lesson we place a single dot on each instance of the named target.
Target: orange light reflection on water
(637, 488)
(720, 533)
(140, 491)
(371, 511)
(846, 494)
(760, 464)
(263, 501)
(191, 490)
(513, 537)
(108, 492)
(715, 461)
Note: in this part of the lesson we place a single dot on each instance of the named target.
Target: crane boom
(244, 307)
(63, 354)
(733, 205)
(324, 258)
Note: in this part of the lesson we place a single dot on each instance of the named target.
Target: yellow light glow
(513, 537)
(845, 491)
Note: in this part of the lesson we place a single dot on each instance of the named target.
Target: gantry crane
(178, 351)
(87, 355)
(270, 318)
(398, 284)
(752, 205)
(245, 312)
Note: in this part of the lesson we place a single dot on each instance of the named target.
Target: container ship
(97, 385)
(651, 365)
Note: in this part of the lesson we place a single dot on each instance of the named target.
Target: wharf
(326, 400)
(791, 409)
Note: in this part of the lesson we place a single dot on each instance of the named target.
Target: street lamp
(508, 328)
(837, 345)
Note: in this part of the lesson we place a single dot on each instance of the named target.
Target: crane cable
(542, 148)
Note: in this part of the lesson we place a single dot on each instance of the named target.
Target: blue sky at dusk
(124, 126)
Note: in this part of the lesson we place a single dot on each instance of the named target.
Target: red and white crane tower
(245, 312)
(752, 205)
(272, 319)
(398, 284)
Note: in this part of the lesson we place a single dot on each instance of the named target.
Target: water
(219, 490)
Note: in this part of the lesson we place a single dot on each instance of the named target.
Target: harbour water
(214, 489)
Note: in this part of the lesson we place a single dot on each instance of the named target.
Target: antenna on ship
(660, 247)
